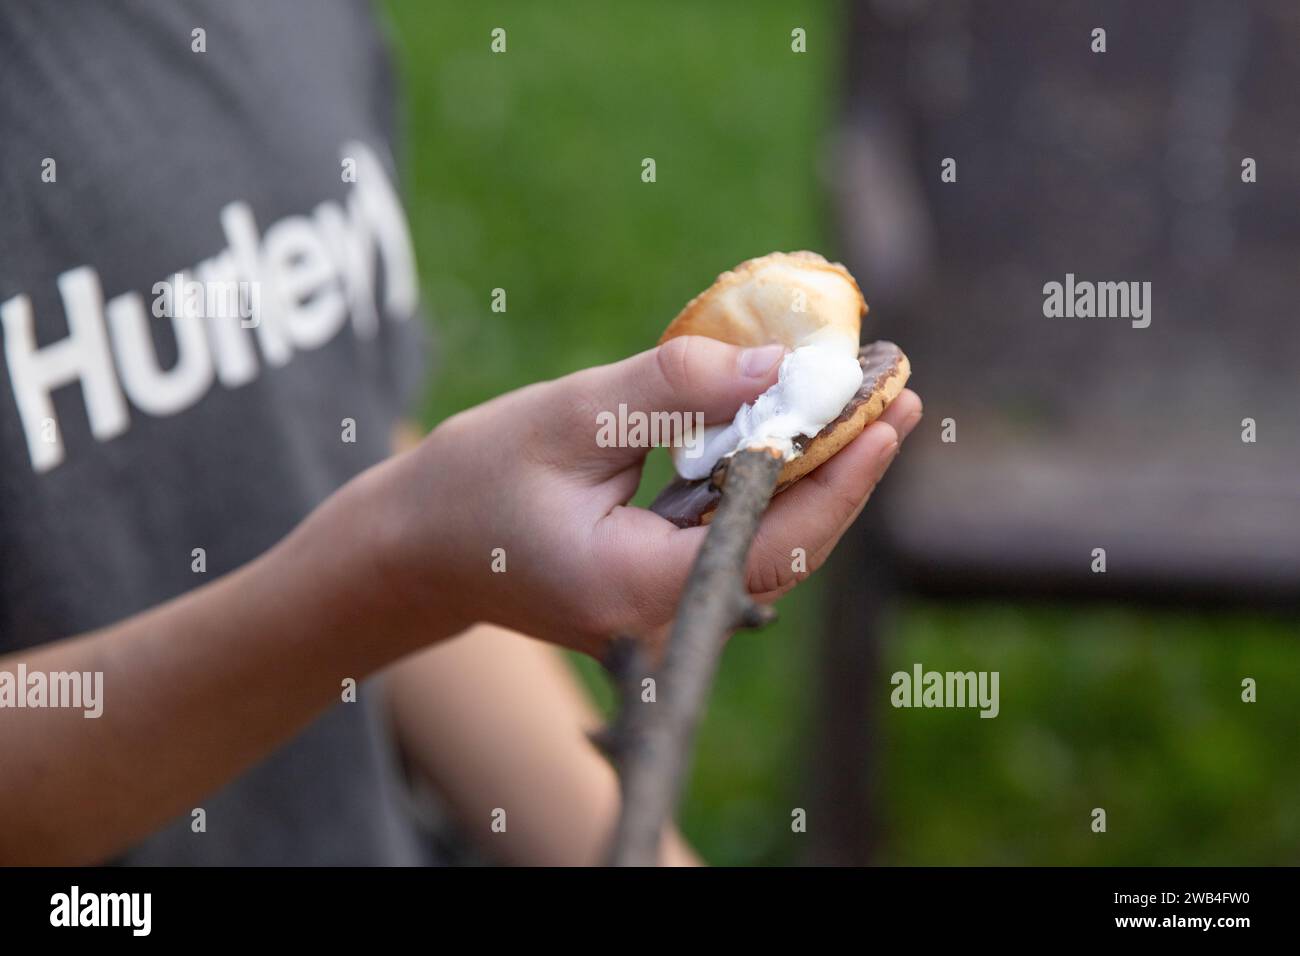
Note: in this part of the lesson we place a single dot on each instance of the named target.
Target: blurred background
(523, 171)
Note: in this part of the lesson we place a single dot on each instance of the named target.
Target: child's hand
(524, 474)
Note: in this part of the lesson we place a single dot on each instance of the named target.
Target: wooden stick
(651, 742)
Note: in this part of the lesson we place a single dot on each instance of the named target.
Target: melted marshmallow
(814, 384)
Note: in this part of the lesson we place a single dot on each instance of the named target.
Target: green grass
(1139, 713)
(523, 172)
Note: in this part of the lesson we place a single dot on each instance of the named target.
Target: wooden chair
(1071, 434)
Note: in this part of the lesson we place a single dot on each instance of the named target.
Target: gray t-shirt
(144, 415)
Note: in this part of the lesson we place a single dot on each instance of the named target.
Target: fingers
(648, 560)
(690, 375)
(904, 413)
(815, 512)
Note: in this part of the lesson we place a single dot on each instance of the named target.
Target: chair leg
(842, 823)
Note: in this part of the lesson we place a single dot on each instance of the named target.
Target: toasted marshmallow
(795, 299)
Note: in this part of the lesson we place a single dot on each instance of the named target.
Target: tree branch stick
(652, 741)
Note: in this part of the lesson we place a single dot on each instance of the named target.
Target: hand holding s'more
(828, 390)
(767, 357)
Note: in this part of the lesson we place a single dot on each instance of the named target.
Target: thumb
(686, 377)
(691, 373)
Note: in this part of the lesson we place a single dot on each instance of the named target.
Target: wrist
(402, 574)
(358, 594)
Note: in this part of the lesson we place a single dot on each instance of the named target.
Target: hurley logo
(254, 303)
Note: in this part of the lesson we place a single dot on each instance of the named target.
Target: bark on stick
(652, 741)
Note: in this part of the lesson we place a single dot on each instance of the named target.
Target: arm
(198, 689)
(495, 719)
